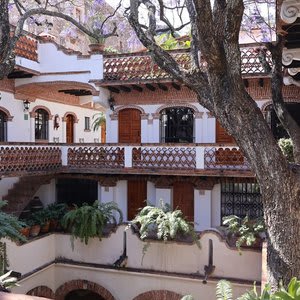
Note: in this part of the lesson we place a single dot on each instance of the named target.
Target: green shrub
(286, 146)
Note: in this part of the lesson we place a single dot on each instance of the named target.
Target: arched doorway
(177, 125)
(3, 126)
(129, 125)
(70, 129)
(82, 294)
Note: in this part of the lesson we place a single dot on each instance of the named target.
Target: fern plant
(10, 226)
(247, 231)
(224, 290)
(89, 221)
(167, 223)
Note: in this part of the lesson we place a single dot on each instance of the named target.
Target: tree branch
(167, 62)
(282, 113)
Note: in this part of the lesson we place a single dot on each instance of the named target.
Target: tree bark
(7, 58)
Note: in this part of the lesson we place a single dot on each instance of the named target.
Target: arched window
(41, 124)
(3, 126)
(177, 125)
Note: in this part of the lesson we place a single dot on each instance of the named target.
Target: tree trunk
(280, 184)
(7, 57)
(283, 222)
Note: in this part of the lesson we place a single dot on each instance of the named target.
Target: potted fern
(10, 226)
(56, 212)
(89, 221)
(164, 224)
(245, 232)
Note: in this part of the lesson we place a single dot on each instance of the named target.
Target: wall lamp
(26, 105)
(112, 103)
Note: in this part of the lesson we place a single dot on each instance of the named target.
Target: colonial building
(160, 144)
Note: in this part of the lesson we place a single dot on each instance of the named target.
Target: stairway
(22, 192)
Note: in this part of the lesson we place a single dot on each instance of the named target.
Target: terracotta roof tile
(139, 67)
(27, 47)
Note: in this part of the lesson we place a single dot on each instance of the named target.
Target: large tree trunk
(279, 182)
(7, 58)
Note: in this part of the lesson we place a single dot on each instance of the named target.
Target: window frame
(42, 120)
(170, 134)
(240, 199)
(3, 126)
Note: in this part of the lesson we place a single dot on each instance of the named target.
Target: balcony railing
(29, 158)
(155, 157)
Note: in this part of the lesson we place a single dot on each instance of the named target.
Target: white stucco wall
(53, 61)
(21, 130)
(216, 206)
(162, 257)
(47, 193)
(119, 282)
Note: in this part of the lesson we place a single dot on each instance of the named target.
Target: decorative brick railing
(225, 158)
(164, 157)
(96, 157)
(15, 159)
(36, 158)
(27, 47)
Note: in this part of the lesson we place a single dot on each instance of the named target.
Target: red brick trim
(70, 113)
(114, 115)
(79, 284)
(8, 115)
(41, 291)
(193, 107)
(265, 105)
(159, 295)
(32, 113)
(129, 106)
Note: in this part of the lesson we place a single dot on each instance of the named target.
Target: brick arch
(72, 114)
(41, 291)
(32, 113)
(265, 105)
(191, 106)
(79, 284)
(158, 295)
(129, 106)
(114, 115)
(8, 115)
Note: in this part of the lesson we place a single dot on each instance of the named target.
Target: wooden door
(222, 137)
(183, 199)
(136, 197)
(70, 129)
(129, 126)
(103, 133)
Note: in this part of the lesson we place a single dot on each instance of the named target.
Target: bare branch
(42, 11)
(167, 62)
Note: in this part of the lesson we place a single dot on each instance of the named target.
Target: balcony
(179, 159)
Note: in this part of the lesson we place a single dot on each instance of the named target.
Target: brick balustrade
(16, 159)
(36, 158)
